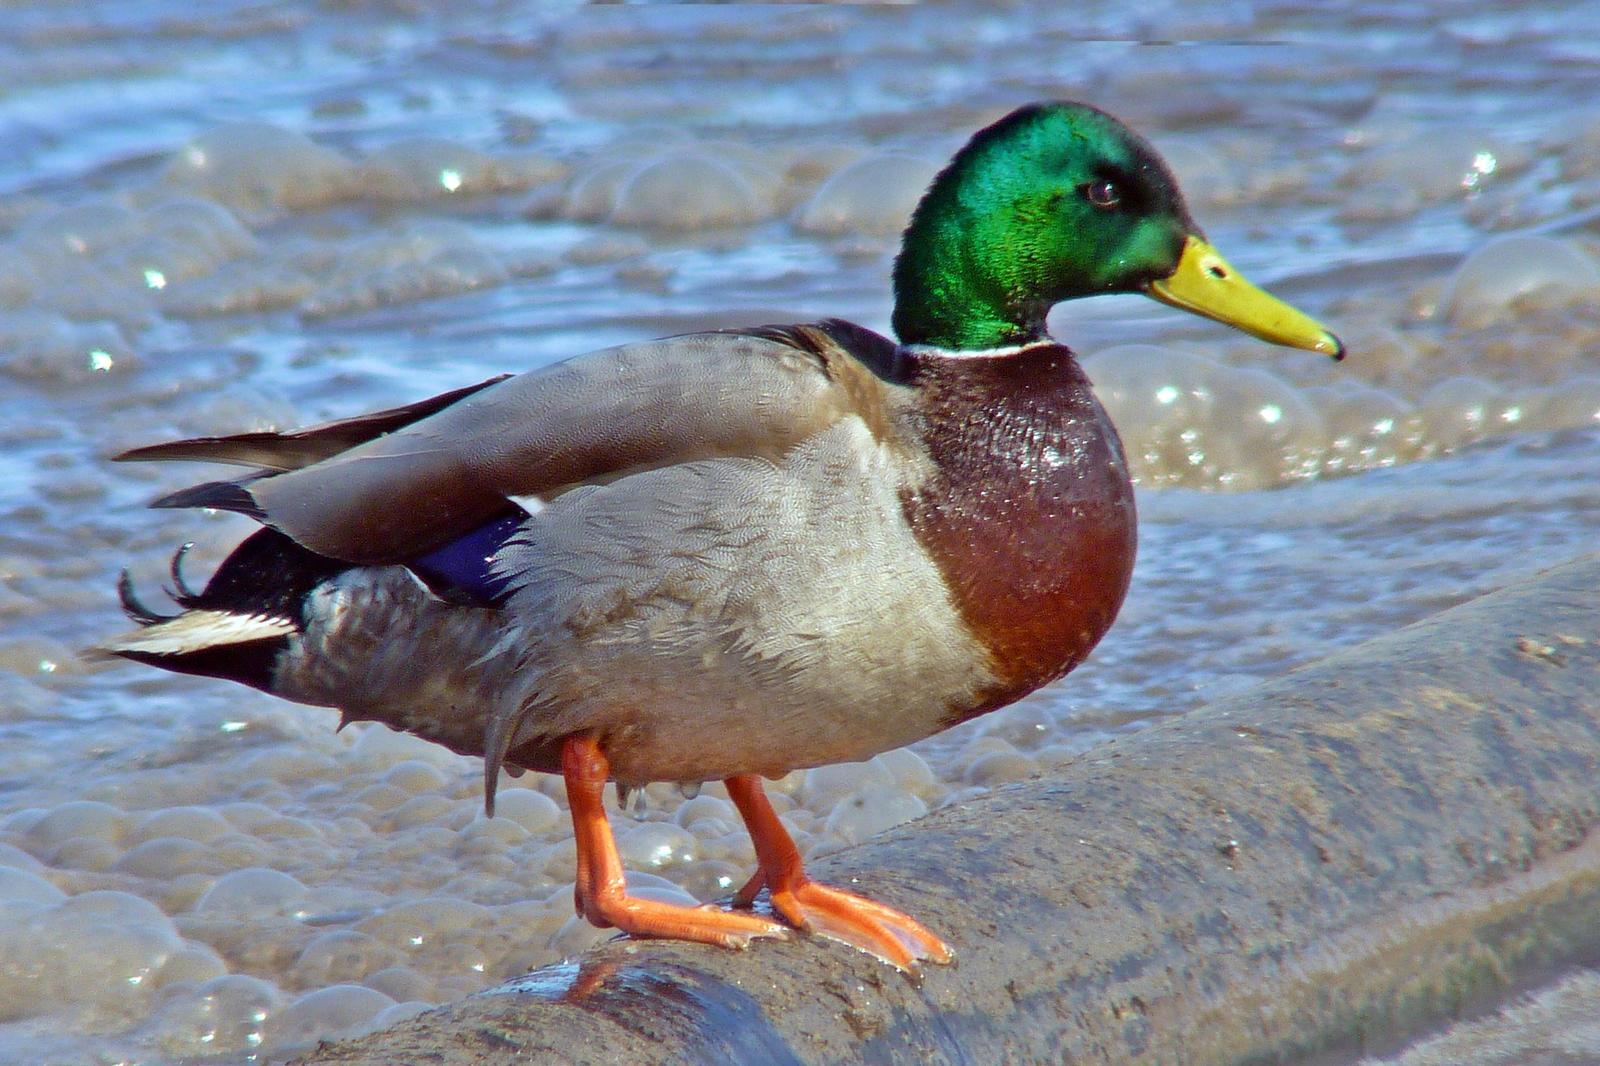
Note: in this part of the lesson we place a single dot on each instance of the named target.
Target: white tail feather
(194, 630)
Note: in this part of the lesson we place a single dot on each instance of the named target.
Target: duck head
(1054, 202)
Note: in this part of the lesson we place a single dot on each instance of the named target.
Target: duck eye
(1102, 194)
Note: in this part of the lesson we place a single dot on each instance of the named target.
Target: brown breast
(1030, 515)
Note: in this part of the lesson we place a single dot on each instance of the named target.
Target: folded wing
(388, 487)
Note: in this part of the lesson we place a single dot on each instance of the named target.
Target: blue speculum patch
(462, 570)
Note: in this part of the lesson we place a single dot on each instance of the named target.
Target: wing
(301, 447)
(430, 479)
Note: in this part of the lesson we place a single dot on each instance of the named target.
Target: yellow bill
(1207, 285)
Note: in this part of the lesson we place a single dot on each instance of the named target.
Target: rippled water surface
(242, 215)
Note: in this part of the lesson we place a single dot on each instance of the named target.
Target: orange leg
(600, 890)
(882, 931)
(745, 898)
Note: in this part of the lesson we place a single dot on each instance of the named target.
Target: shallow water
(273, 214)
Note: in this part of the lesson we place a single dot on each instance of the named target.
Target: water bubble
(532, 810)
(340, 955)
(415, 776)
(96, 952)
(165, 857)
(1576, 403)
(687, 191)
(713, 878)
(1187, 420)
(1382, 353)
(872, 810)
(205, 228)
(704, 808)
(20, 885)
(81, 820)
(1509, 271)
(257, 167)
(43, 345)
(809, 163)
(909, 771)
(1023, 725)
(192, 823)
(416, 812)
(593, 193)
(1000, 767)
(85, 853)
(496, 832)
(284, 764)
(1367, 427)
(190, 965)
(576, 936)
(400, 1012)
(649, 886)
(655, 845)
(873, 195)
(253, 891)
(1459, 410)
(237, 850)
(83, 230)
(823, 786)
(225, 1016)
(410, 925)
(423, 168)
(332, 1013)
(401, 983)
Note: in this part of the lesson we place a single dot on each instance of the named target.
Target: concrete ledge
(1329, 863)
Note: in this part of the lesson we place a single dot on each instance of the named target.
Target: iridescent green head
(1053, 202)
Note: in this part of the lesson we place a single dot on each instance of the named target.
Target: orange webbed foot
(864, 924)
(651, 918)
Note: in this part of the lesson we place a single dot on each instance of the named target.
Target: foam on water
(1526, 271)
(689, 191)
(204, 231)
(873, 195)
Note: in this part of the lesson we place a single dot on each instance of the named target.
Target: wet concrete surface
(1330, 864)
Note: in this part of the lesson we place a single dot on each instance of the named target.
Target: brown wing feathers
(300, 447)
(384, 488)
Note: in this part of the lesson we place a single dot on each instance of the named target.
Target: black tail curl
(268, 576)
(133, 607)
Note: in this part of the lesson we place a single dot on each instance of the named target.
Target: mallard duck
(729, 555)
